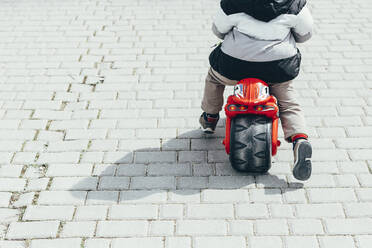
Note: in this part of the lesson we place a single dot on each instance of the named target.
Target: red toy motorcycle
(251, 126)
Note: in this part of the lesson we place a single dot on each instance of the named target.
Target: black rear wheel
(250, 143)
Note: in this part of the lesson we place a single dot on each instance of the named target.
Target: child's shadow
(191, 167)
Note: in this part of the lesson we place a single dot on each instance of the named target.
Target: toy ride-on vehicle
(251, 126)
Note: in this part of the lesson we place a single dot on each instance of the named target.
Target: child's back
(259, 37)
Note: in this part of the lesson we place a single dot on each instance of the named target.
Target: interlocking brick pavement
(99, 139)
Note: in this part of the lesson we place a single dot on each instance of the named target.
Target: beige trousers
(290, 113)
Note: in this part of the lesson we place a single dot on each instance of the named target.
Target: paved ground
(100, 146)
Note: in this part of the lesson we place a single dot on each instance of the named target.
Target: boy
(259, 41)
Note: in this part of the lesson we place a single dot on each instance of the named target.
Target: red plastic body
(251, 97)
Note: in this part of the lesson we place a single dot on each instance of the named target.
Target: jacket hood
(263, 10)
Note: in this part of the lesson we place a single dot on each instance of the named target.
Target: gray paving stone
(59, 157)
(84, 213)
(37, 184)
(113, 183)
(348, 226)
(161, 228)
(241, 227)
(24, 200)
(363, 179)
(169, 169)
(69, 145)
(12, 244)
(5, 157)
(350, 181)
(331, 195)
(58, 243)
(5, 199)
(265, 242)
(201, 227)
(97, 243)
(332, 210)
(104, 170)
(363, 241)
(29, 230)
(217, 156)
(160, 157)
(336, 241)
(155, 242)
(210, 211)
(251, 211)
(153, 183)
(78, 229)
(265, 195)
(62, 213)
(73, 134)
(174, 144)
(330, 155)
(272, 227)
(236, 242)
(74, 183)
(305, 241)
(10, 170)
(49, 136)
(354, 167)
(350, 143)
(358, 210)
(184, 196)
(132, 170)
(202, 170)
(192, 156)
(364, 194)
(118, 212)
(143, 196)
(225, 196)
(360, 154)
(62, 198)
(325, 167)
(121, 228)
(318, 181)
(271, 181)
(281, 211)
(359, 131)
(12, 184)
(192, 182)
(8, 215)
(178, 242)
(306, 226)
(171, 211)
(102, 197)
(231, 182)
(295, 195)
(67, 170)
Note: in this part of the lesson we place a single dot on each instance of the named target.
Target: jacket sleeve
(304, 26)
(217, 33)
(222, 24)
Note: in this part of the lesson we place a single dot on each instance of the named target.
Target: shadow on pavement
(185, 166)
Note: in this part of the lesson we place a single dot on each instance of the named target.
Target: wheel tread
(261, 154)
(250, 143)
(240, 145)
(260, 136)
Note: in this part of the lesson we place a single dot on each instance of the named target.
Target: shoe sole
(302, 167)
(207, 130)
